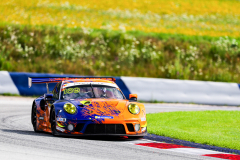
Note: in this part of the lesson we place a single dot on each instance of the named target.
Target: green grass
(17, 95)
(217, 128)
(9, 94)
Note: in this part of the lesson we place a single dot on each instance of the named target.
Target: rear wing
(40, 80)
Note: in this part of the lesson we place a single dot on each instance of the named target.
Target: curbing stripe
(191, 144)
(162, 145)
(224, 156)
(186, 149)
(195, 151)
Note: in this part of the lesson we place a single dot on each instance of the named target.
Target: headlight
(70, 108)
(133, 108)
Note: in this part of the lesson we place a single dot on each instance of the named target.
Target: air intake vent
(79, 127)
(130, 127)
(105, 129)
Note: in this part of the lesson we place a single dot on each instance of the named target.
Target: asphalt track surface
(19, 141)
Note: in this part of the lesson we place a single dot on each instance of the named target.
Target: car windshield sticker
(71, 90)
(76, 90)
(88, 83)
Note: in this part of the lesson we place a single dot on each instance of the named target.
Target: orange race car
(87, 106)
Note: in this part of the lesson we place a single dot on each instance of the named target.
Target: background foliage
(187, 39)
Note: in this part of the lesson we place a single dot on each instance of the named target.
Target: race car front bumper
(126, 128)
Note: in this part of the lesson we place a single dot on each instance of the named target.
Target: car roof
(87, 80)
(74, 82)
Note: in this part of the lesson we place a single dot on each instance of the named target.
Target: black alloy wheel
(53, 122)
(34, 118)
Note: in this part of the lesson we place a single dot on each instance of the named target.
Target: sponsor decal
(143, 119)
(61, 119)
(117, 112)
(60, 125)
(104, 117)
(72, 90)
(60, 129)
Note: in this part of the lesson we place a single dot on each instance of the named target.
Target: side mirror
(48, 97)
(133, 97)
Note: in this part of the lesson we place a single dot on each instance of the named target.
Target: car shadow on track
(104, 138)
(95, 137)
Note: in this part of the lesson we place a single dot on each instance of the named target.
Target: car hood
(100, 108)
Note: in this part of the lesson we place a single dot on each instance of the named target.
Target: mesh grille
(105, 129)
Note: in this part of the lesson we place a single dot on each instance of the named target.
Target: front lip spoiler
(78, 135)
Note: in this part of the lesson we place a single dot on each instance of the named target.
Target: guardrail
(184, 91)
(148, 89)
(17, 83)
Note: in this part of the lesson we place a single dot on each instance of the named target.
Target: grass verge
(217, 128)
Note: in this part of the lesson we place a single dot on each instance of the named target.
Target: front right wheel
(34, 118)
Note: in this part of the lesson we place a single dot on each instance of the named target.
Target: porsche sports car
(87, 106)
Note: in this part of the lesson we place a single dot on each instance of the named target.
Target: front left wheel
(53, 122)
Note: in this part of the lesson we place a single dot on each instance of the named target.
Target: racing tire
(53, 122)
(34, 118)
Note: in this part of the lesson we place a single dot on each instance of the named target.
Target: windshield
(90, 91)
